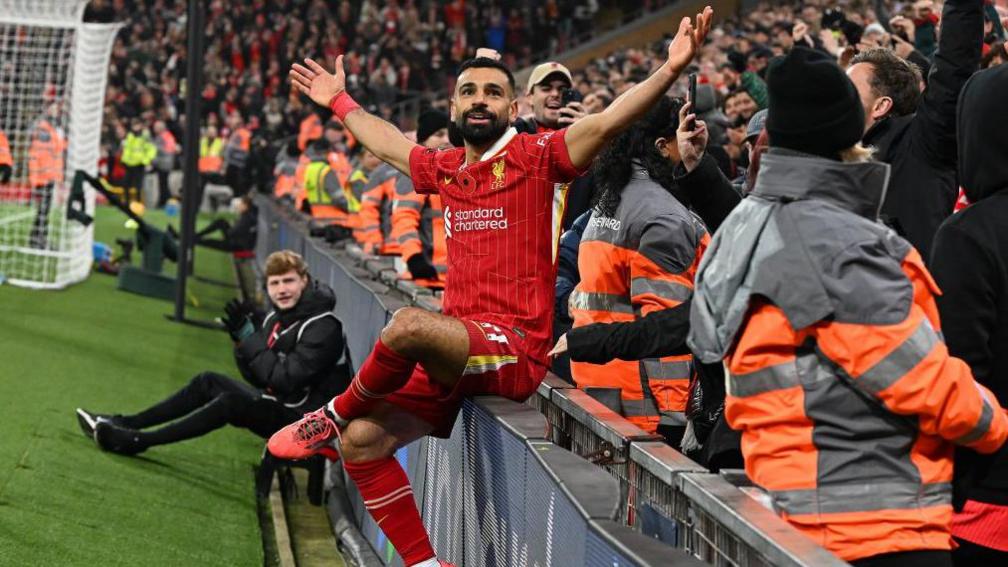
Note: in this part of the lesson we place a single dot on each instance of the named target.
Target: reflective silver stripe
(405, 237)
(899, 362)
(640, 408)
(408, 204)
(862, 497)
(370, 227)
(674, 418)
(662, 288)
(776, 377)
(597, 301)
(674, 370)
(982, 426)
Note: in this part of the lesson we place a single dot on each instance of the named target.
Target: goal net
(53, 71)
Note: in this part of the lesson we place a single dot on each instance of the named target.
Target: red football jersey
(502, 226)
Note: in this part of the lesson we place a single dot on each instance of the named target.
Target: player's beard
(482, 134)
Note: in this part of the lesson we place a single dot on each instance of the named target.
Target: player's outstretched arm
(329, 90)
(586, 137)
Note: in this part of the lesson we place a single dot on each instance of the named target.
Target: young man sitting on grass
(293, 363)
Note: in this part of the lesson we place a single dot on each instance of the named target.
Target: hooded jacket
(970, 263)
(838, 378)
(307, 363)
(921, 147)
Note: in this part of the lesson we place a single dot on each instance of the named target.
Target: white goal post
(53, 74)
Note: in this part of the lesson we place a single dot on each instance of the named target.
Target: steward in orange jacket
(418, 224)
(6, 161)
(839, 379)
(638, 255)
(310, 129)
(45, 155)
(374, 230)
(45, 172)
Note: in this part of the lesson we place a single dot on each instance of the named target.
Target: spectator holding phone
(551, 109)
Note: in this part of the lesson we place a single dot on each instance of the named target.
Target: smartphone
(692, 100)
(570, 95)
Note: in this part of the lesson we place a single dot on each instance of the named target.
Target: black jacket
(308, 362)
(243, 234)
(970, 264)
(921, 148)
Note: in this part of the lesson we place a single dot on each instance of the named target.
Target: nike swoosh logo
(383, 518)
(447, 180)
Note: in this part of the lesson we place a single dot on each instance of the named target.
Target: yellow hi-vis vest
(314, 185)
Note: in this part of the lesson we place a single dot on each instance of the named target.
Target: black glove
(5, 173)
(420, 268)
(237, 320)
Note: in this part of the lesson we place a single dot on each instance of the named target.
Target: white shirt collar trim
(501, 143)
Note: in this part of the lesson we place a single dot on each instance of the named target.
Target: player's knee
(403, 330)
(362, 441)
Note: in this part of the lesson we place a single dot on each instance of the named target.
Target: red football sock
(384, 372)
(389, 499)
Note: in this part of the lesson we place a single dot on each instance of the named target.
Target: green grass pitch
(63, 501)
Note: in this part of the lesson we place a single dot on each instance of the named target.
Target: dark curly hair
(894, 77)
(614, 165)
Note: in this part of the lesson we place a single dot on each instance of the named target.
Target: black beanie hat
(814, 107)
(430, 121)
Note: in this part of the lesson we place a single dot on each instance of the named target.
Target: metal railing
(710, 517)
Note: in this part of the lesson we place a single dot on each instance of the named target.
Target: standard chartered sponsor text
(479, 219)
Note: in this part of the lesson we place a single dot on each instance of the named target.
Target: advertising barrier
(561, 480)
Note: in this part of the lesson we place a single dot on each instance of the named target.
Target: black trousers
(211, 401)
(42, 196)
(133, 183)
(238, 179)
(164, 193)
(922, 558)
(970, 554)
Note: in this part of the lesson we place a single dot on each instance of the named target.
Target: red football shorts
(497, 365)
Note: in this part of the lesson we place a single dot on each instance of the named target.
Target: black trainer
(87, 421)
(115, 439)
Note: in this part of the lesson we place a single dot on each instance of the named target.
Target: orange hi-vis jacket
(341, 166)
(238, 147)
(838, 377)
(310, 129)
(284, 170)
(418, 225)
(45, 155)
(374, 231)
(640, 260)
(5, 152)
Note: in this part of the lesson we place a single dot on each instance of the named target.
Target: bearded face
(481, 126)
(483, 105)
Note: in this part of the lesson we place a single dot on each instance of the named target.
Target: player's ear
(451, 108)
(513, 110)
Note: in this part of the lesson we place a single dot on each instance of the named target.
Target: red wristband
(343, 104)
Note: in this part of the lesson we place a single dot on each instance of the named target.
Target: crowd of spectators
(732, 67)
(394, 50)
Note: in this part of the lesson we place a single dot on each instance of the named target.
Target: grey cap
(756, 124)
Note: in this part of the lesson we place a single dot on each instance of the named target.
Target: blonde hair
(857, 154)
(284, 261)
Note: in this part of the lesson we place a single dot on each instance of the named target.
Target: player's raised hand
(320, 85)
(689, 39)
